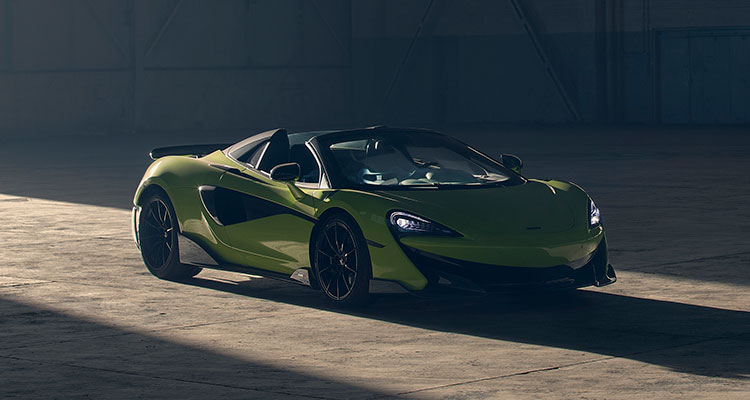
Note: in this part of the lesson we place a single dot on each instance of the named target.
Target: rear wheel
(158, 239)
(342, 262)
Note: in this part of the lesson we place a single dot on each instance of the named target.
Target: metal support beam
(7, 63)
(546, 62)
(614, 59)
(344, 47)
(401, 66)
(615, 67)
(105, 28)
(164, 27)
(600, 60)
(609, 48)
(136, 68)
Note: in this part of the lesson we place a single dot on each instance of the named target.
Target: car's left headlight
(595, 218)
(405, 223)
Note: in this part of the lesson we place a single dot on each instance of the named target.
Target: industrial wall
(176, 65)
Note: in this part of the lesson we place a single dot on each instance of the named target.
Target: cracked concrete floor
(81, 317)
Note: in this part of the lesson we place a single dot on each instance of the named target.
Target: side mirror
(287, 172)
(511, 162)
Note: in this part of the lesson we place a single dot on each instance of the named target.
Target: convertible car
(363, 211)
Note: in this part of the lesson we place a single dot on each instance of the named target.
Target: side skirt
(381, 286)
(192, 253)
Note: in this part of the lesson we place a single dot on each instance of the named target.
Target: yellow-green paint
(536, 224)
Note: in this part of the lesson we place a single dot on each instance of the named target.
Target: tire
(158, 236)
(341, 261)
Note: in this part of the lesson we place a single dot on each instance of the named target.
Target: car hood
(534, 208)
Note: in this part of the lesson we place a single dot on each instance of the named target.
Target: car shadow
(48, 354)
(683, 337)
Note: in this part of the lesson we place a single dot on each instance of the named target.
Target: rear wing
(194, 150)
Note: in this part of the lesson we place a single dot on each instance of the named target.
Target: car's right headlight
(595, 218)
(405, 223)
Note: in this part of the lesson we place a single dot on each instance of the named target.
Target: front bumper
(447, 273)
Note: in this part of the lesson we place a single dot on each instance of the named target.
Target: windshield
(412, 159)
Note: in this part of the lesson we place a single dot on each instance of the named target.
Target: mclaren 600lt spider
(362, 211)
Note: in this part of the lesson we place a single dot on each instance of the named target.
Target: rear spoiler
(196, 150)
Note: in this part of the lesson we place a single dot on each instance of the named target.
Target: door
(269, 227)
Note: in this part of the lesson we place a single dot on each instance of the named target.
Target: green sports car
(362, 211)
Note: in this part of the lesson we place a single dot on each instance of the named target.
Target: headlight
(405, 223)
(595, 218)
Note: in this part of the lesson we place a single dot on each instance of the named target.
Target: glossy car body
(233, 216)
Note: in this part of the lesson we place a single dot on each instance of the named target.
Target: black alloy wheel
(157, 235)
(342, 262)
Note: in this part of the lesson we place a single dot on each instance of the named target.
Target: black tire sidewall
(172, 269)
(359, 295)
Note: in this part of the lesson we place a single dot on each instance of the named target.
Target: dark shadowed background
(118, 66)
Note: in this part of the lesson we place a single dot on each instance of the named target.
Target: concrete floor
(81, 317)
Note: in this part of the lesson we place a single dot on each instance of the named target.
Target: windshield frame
(338, 181)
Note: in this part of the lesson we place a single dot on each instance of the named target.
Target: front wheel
(158, 239)
(342, 261)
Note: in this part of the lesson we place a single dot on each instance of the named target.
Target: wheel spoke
(154, 217)
(342, 244)
(148, 249)
(163, 255)
(151, 224)
(328, 286)
(167, 219)
(157, 211)
(329, 242)
(349, 239)
(152, 258)
(346, 284)
(354, 271)
(162, 212)
(151, 244)
(325, 254)
(336, 239)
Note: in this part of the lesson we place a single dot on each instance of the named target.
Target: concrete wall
(173, 65)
